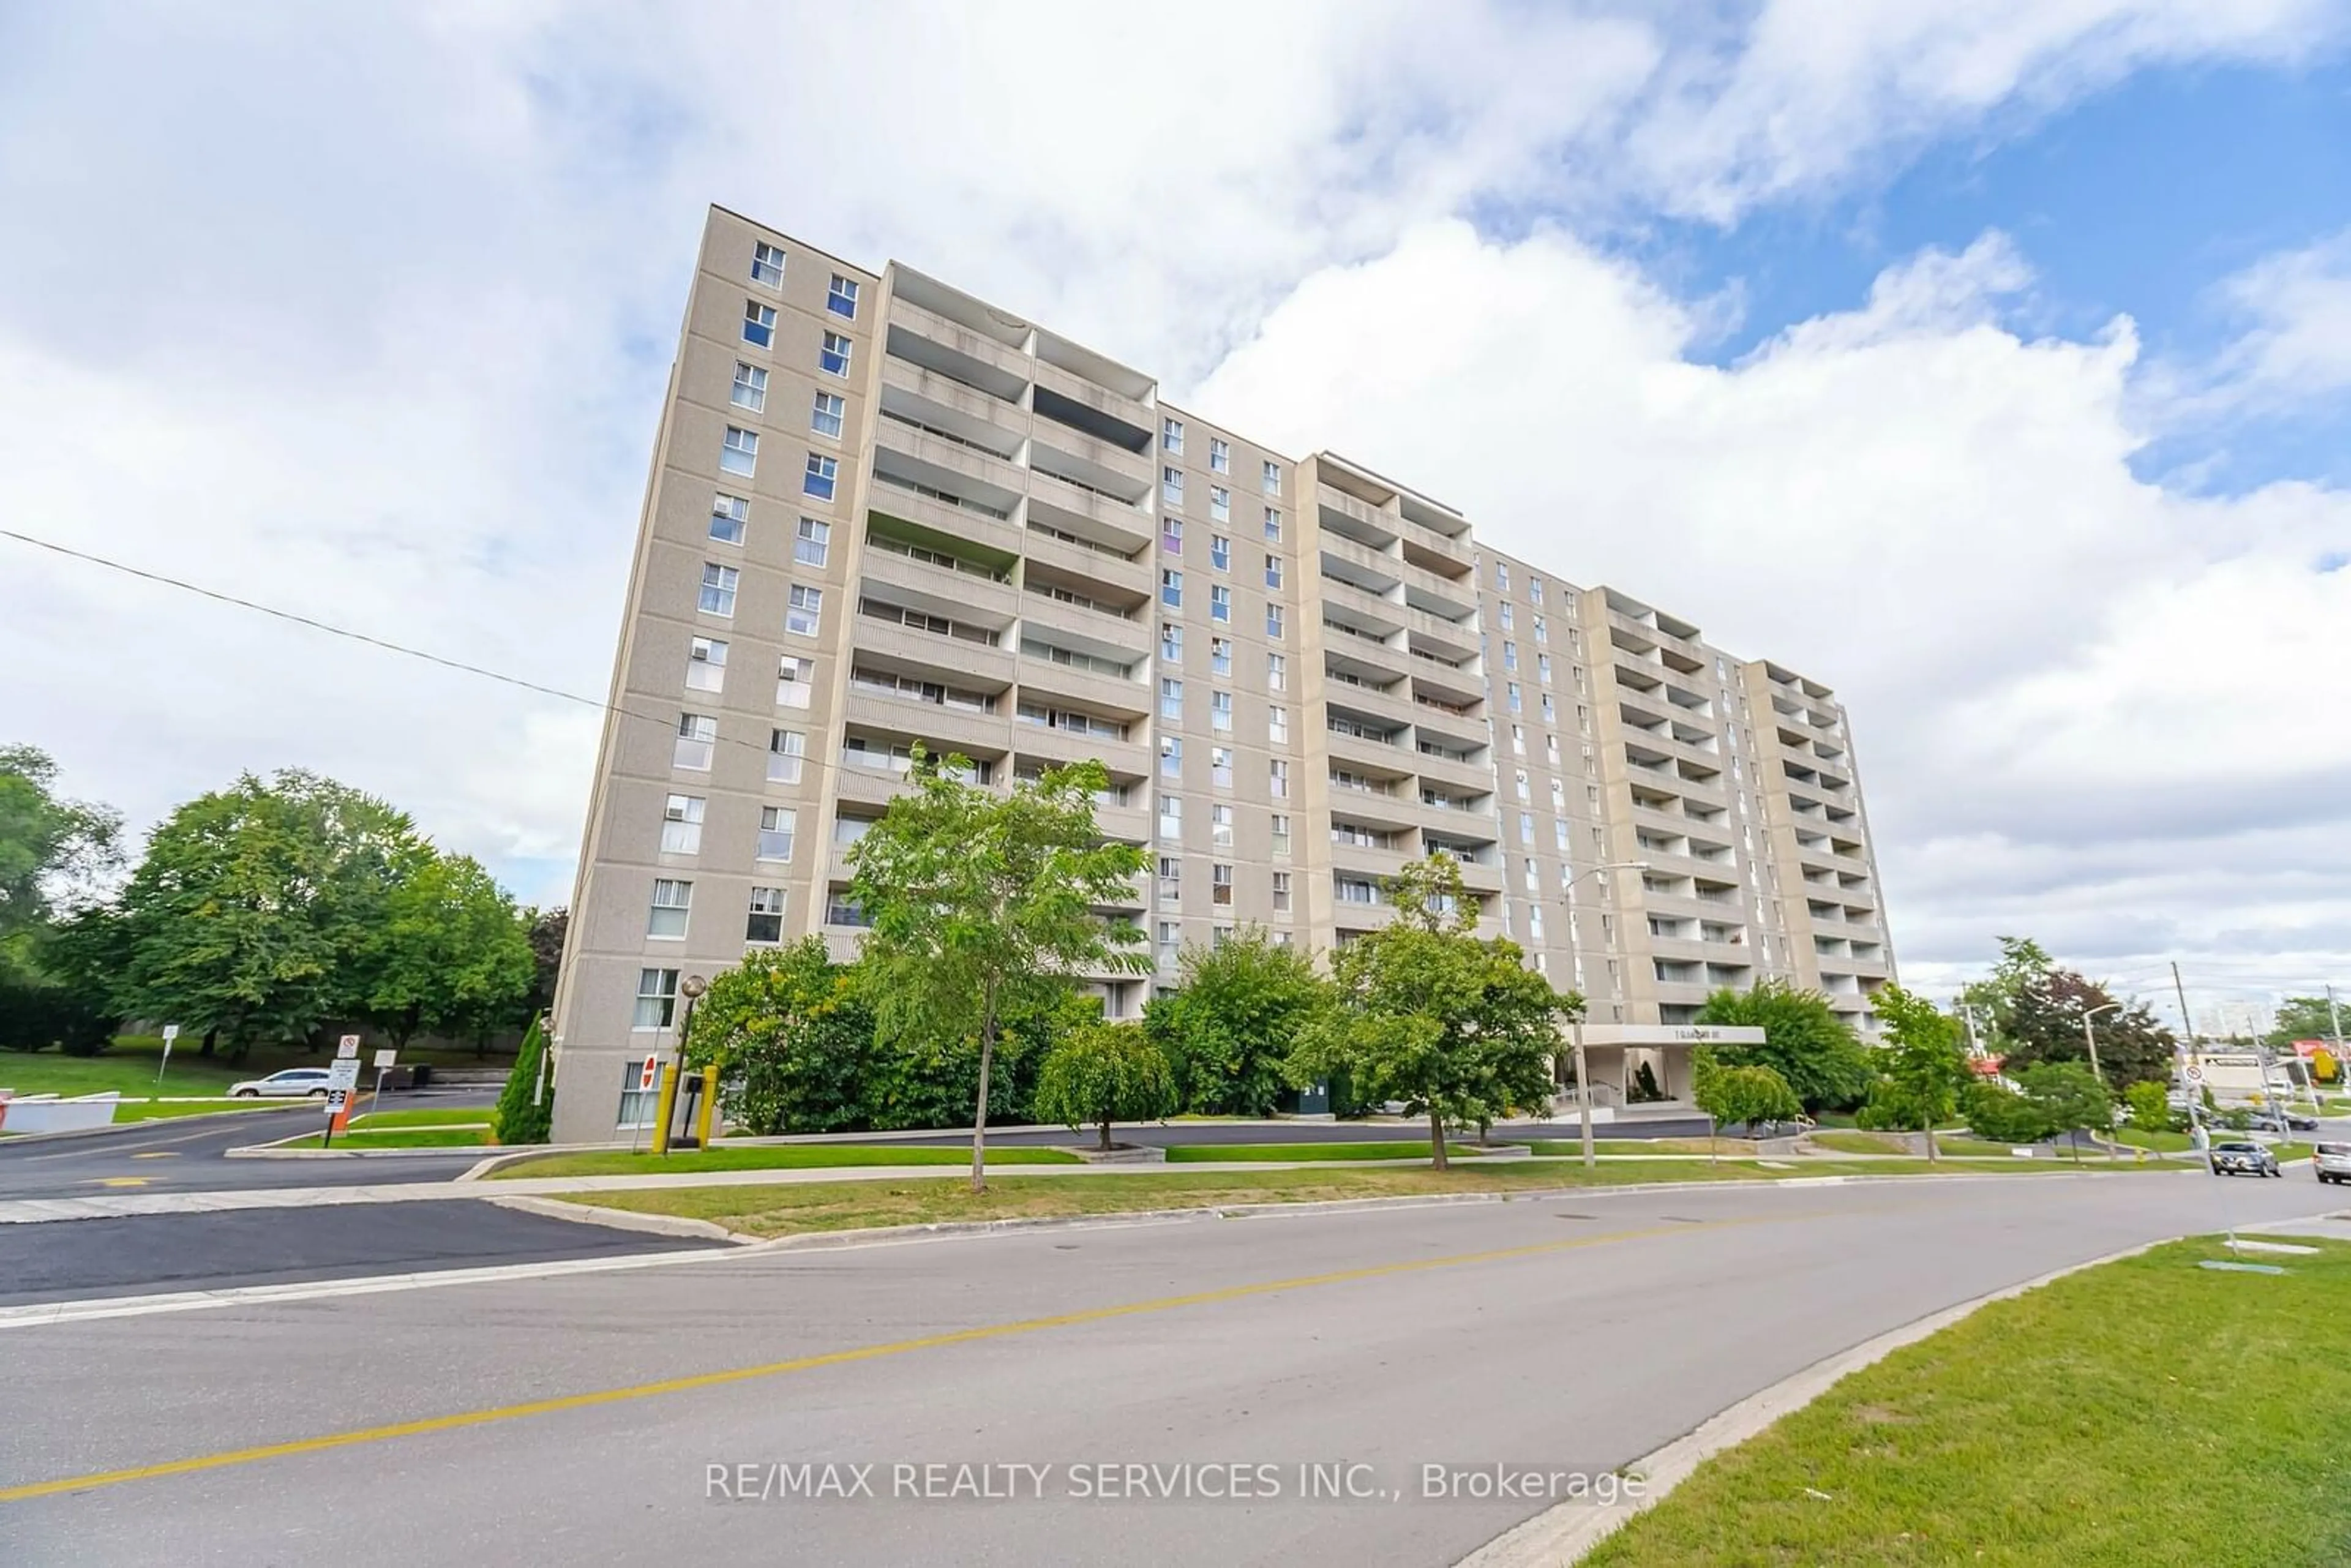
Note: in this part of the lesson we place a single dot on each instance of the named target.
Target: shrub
(2000, 1114)
(517, 1120)
(1105, 1072)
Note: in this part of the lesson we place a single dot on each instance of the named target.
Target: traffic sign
(170, 1032)
(2193, 1073)
(649, 1075)
(344, 1075)
(336, 1100)
(347, 1046)
(385, 1058)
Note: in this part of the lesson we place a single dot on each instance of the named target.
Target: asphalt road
(1578, 1334)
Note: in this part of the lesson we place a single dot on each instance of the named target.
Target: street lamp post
(2090, 1038)
(1575, 1024)
(667, 1104)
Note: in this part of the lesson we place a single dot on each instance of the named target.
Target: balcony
(1094, 629)
(1361, 610)
(963, 585)
(909, 385)
(1104, 465)
(894, 498)
(1476, 776)
(868, 786)
(1071, 508)
(988, 667)
(1365, 651)
(1381, 758)
(1099, 400)
(948, 463)
(1087, 564)
(1366, 861)
(1374, 571)
(1070, 685)
(1429, 541)
(942, 728)
(1390, 699)
(1056, 747)
(1352, 517)
(929, 339)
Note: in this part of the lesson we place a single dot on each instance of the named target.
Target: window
(766, 923)
(706, 664)
(1171, 436)
(758, 324)
(1276, 725)
(1273, 524)
(1220, 885)
(1526, 827)
(1559, 836)
(718, 583)
(1506, 615)
(807, 608)
(1274, 618)
(1511, 690)
(1171, 818)
(673, 901)
(841, 297)
(697, 734)
(787, 749)
(656, 999)
(1220, 455)
(1220, 504)
(1509, 655)
(1171, 882)
(1518, 740)
(1220, 768)
(1548, 716)
(1534, 588)
(1171, 589)
(1220, 552)
(815, 542)
(1278, 779)
(1543, 668)
(1281, 893)
(1356, 890)
(1273, 571)
(1503, 577)
(1221, 822)
(1519, 777)
(1220, 602)
(767, 265)
(839, 909)
(740, 454)
(1220, 711)
(832, 359)
(750, 388)
(1171, 699)
(825, 418)
(1171, 486)
(1220, 655)
(1167, 941)
(1280, 834)
(1551, 753)
(1171, 642)
(1171, 757)
(729, 516)
(1542, 632)
(682, 825)
(1277, 672)
(795, 682)
(777, 826)
(1272, 480)
(818, 481)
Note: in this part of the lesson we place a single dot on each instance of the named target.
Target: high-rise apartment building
(883, 512)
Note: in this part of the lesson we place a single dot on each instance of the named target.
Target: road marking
(116, 1181)
(464, 1418)
(158, 1154)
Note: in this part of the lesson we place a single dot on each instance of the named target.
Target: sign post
(171, 1033)
(342, 1079)
(384, 1060)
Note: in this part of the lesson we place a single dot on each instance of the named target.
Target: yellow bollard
(668, 1109)
(709, 1121)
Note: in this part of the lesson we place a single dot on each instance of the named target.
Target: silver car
(2333, 1162)
(2243, 1159)
(293, 1083)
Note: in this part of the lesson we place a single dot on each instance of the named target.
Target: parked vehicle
(2243, 1159)
(2333, 1162)
(292, 1084)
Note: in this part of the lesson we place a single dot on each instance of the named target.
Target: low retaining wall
(47, 1113)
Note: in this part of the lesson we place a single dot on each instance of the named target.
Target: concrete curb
(532, 1151)
(276, 1152)
(1564, 1533)
(623, 1220)
(17, 1139)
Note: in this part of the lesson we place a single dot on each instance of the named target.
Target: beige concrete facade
(882, 511)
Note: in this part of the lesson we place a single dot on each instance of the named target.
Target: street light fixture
(2090, 1038)
(1575, 1024)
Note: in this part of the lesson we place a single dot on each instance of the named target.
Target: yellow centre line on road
(464, 1418)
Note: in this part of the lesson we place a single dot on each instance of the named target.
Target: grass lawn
(772, 1157)
(425, 1116)
(789, 1209)
(1725, 1145)
(2144, 1412)
(403, 1138)
(1857, 1142)
(1380, 1149)
(157, 1110)
(129, 1067)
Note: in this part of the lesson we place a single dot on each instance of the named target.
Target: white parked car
(291, 1085)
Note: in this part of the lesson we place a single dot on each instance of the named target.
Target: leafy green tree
(1993, 999)
(793, 1039)
(518, 1120)
(548, 928)
(1813, 1051)
(1456, 1027)
(2071, 1098)
(1921, 1064)
(2000, 1113)
(2302, 1018)
(1747, 1095)
(984, 904)
(448, 953)
(49, 846)
(1233, 1019)
(1105, 1072)
(2150, 1108)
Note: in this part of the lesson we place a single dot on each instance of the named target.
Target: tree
(982, 904)
(1456, 1027)
(1105, 1072)
(2000, 1113)
(250, 901)
(1921, 1064)
(1992, 1000)
(526, 1106)
(1749, 1095)
(2302, 1018)
(2071, 1099)
(548, 928)
(448, 953)
(2033, 1012)
(1232, 1021)
(1814, 1052)
(51, 848)
(793, 1039)
(2150, 1108)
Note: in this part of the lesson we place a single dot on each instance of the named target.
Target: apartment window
(1534, 589)
(1558, 796)
(1171, 436)
(1526, 827)
(1171, 699)
(1273, 479)
(1280, 834)
(1171, 642)
(1273, 524)
(1171, 486)
(758, 324)
(1171, 882)
(1171, 534)
(1274, 619)
(818, 481)
(740, 454)
(1519, 777)
(1220, 767)
(730, 516)
(1543, 668)
(832, 359)
(682, 825)
(1168, 951)
(1356, 890)
(1220, 602)
(1517, 741)
(825, 418)
(697, 734)
(656, 999)
(1548, 716)
(1277, 672)
(1276, 725)
(795, 682)
(1171, 757)
(839, 909)
(1278, 779)
(787, 749)
(1558, 835)
(1503, 577)
(1220, 455)
(766, 922)
(814, 543)
(1509, 655)
(1220, 711)
(1171, 589)
(777, 824)
(806, 609)
(718, 597)
(1273, 571)
(1542, 633)
(1281, 893)
(1220, 821)
(706, 664)
(750, 389)
(673, 901)
(1220, 655)
(1220, 504)
(1551, 755)
(1220, 885)
(1220, 552)
(1510, 696)
(767, 265)
(841, 297)
(1171, 818)
(1506, 615)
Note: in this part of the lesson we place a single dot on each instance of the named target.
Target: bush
(2000, 1114)
(517, 1120)
(1105, 1072)
(2150, 1109)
